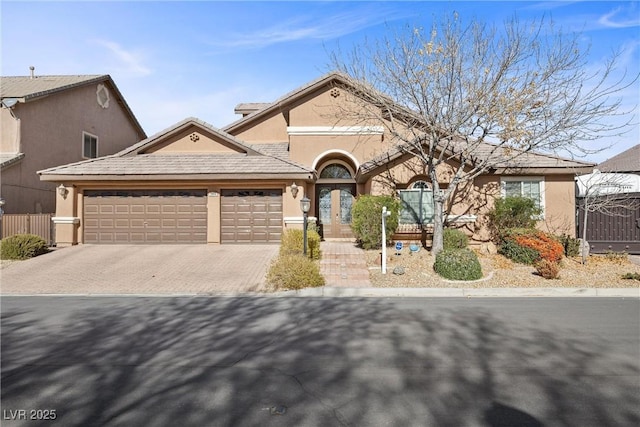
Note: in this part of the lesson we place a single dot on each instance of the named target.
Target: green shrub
(617, 257)
(520, 254)
(631, 276)
(454, 239)
(458, 264)
(548, 269)
(571, 245)
(22, 246)
(367, 219)
(291, 272)
(292, 242)
(512, 212)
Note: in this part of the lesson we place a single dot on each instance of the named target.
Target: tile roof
(627, 161)
(7, 159)
(178, 164)
(250, 107)
(486, 151)
(28, 88)
(280, 149)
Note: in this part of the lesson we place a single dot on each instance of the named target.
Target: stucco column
(213, 215)
(66, 220)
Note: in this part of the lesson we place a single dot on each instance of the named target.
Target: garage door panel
(145, 216)
(251, 216)
(106, 209)
(122, 210)
(137, 209)
(200, 224)
(91, 209)
(106, 223)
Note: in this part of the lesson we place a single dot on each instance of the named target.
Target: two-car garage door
(180, 216)
(145, 216)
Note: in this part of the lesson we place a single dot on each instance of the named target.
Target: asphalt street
(266, 361)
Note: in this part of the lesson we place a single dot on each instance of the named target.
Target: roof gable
(29, 89)
(190, 135)
(267, 110)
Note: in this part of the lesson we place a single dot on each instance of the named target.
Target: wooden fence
(38, 224)
(619, 232)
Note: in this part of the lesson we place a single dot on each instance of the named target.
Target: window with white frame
(416, 204)
(89, 146)
(525, 186)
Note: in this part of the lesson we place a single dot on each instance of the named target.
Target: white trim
(298, 219)
(65, 220)
(324, 154)
(335, 130)
(539, 179)
(462, 219)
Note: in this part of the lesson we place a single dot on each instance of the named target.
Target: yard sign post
(385, 214)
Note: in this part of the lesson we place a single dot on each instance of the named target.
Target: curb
(463, 292)
(333, 292)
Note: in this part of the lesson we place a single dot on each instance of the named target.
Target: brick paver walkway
(141, 269)
(344, 265)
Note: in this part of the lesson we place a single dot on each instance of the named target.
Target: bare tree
(607, 193)
(481, 98)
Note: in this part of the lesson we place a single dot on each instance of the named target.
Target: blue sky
(173, 60)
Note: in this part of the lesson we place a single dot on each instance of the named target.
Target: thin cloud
(549, 5)
(310, 28)
(132, 63)
(620, 18)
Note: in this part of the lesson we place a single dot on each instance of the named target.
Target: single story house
(243, 183)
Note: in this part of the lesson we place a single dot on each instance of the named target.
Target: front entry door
(334, 209)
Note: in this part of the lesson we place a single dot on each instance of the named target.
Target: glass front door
(334, 209)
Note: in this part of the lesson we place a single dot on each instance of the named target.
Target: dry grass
(499, 272)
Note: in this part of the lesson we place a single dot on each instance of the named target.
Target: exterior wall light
(62, 190)
(294, 190)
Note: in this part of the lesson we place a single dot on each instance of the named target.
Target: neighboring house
(615, 186)
(243, 183)
(52, 120)
(626, 162)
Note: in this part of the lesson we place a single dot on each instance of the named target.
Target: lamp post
(305, 205)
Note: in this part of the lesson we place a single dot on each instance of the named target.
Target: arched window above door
(335, 171)
(421, 184)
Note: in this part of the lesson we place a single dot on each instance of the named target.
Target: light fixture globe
(305, 204)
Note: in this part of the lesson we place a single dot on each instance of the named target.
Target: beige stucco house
(243, 183)
(52, 120)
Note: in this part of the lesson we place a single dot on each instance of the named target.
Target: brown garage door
(145, 216)
(251, 216)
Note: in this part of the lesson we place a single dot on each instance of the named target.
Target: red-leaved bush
(528, 246)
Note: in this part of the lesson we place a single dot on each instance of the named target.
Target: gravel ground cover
(499, 272)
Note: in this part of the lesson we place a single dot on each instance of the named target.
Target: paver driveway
(141, 269)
